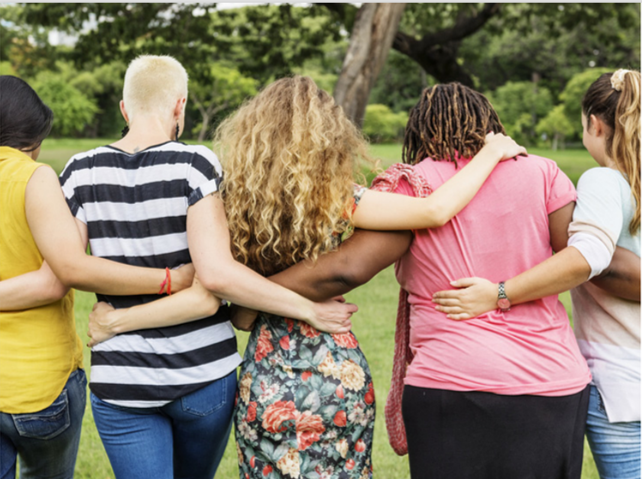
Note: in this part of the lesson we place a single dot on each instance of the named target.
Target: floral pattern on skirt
(306, 404)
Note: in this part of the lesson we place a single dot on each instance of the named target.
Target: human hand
(182, 277)
(333, 316)
(476, 296)
(100, 323)
(503, 146)
(243, 318)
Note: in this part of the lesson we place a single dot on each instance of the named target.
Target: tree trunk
(204, 126)
(372, 35)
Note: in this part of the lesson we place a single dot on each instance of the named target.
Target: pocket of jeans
(45, 424)
(206, 400)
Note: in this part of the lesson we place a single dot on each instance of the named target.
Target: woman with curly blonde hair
(306, 400)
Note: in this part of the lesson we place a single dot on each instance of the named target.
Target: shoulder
(603, 178)
(84, 160)
(198, 154)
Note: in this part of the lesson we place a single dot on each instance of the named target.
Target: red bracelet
(167, 280)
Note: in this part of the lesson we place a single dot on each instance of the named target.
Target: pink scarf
(388, 182)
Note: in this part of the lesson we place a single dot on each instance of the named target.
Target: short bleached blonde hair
(153, 84)
(289, 156)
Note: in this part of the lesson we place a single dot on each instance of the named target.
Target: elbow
(56, 291)
(209, 303)
(215, 284)
(437, 216)
(71, 277)
(349, 280)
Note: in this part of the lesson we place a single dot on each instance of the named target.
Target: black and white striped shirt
(135, 208)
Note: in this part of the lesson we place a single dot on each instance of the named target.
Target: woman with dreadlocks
(607, 325)
(500, 396)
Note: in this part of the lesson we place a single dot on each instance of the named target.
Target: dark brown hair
(24, 119)
(449, 120)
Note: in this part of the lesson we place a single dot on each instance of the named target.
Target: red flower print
(251, 412)
(247, 476)
(263, 345)
(309, 428)
(290, 324)
(340, 418)
(306, 375)
(252, 462)
(308, 330)
(345, 340)
(360, 446)
(369, 396)
(350, 464)
(267, 470)
(339, 391)
(284, 342)
(278, 413)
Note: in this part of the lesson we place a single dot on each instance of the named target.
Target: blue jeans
(615, 446)
(46, 442)
(183, 439)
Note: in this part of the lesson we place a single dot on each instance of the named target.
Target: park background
(533, 61)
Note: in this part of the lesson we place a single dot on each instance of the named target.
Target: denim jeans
(46, 442)
(183, 439)
(615, 446)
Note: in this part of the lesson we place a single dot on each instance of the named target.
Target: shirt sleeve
(599, 209)
(560, 189)
(68, 184)
(205, 175)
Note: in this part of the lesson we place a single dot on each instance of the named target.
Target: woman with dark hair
(606, 320)
(42, 384)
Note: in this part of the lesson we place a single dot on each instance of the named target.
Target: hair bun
(617, 79)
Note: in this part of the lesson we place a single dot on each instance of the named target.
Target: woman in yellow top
(42, 384)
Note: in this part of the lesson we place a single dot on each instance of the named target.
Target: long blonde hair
(618, 105)
(289, 156)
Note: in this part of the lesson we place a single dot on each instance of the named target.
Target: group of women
(499, 394)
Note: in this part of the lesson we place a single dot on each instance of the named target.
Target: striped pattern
(135, 208)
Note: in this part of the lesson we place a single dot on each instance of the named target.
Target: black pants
(478, 435)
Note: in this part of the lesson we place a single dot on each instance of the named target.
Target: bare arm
(188, 305)
(356, 261)
(622, 277)
(63, 247)
(209, 243)
(556, 274)
(388, 211)
(31, 290)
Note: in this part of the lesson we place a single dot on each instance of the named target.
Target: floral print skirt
(306, 405)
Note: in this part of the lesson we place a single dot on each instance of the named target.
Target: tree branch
(463, 28)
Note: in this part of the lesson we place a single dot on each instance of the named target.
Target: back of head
(615, 99)
(25, 121)
(449, 120)
(153, 84)
(289, 155)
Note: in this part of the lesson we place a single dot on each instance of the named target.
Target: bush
(382, 125)
(574, 92)
(519, 106)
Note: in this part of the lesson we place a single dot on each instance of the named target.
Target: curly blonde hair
(289, 155)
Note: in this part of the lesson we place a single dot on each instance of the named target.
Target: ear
(599, 128)
(179, 107)
(123, 111)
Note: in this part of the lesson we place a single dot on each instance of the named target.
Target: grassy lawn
(373, 325)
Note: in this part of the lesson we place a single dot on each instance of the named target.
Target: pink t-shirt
(504, 231)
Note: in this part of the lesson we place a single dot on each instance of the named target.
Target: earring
(124, 131)
(177, 131)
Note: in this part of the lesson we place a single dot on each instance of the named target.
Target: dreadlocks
(450, 121)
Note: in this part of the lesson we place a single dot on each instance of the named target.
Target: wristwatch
(503, 302)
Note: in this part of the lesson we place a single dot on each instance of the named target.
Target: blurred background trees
(533, 61)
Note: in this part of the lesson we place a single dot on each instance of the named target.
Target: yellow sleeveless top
(39, 347)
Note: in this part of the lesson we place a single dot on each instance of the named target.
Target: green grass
(374, 326)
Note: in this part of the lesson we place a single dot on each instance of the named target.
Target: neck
(146, 131)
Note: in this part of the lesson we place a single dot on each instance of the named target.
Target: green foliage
(400, 83)
(382, 125)
(574, 92)
(7, 69)
(519, 105)
(555, 126)
(73, 109)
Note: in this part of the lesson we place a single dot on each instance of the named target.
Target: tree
(574, 92)
(372, 35)
(226, 91)
(383, 125)
(555, 125)
(519, 105)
